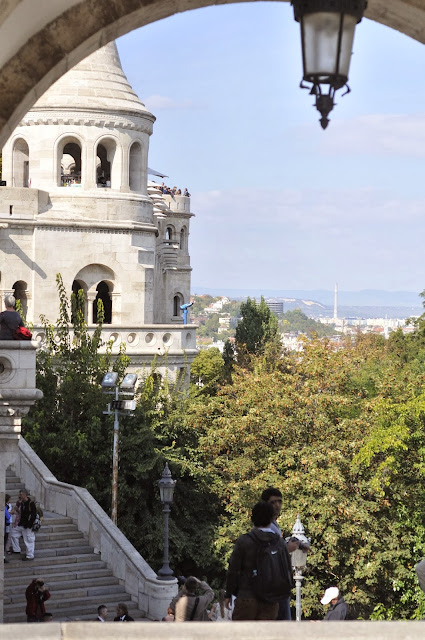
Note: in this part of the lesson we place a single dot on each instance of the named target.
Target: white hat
(330, 594)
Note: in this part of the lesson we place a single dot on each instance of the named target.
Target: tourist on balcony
(10, 319)
(186, 193)
(179, 192)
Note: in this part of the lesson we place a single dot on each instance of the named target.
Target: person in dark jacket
(10, 319)
(122, 613)
(36, 595)
(26, 514)
(243, 568)
(338, 608)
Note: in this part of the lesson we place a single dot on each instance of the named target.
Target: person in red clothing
(36, 595)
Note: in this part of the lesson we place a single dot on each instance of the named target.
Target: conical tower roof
(97, 83)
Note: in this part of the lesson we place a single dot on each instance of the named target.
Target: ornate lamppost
(166, 490)
(327, 35)
(299, 562)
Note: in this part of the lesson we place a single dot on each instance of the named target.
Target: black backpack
(272, 579)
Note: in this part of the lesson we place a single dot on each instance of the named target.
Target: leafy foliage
(257, 328)
(296, 320)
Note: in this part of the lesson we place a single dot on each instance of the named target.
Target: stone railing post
(17, 394)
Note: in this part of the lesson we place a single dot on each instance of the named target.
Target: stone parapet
(22, 202)
(149, 340)
(152, 595)
(177, 204)
(353, 630)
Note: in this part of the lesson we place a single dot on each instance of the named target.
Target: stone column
(17, 394)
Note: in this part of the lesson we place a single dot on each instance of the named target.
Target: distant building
(276, 306)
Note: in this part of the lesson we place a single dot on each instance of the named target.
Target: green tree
(67, 428)
(296, 320)
(257, 328)
(207, 370)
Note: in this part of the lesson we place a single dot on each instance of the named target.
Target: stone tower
(77, 202)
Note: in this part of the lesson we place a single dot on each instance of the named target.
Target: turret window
(69, 152)
(21, 157)
(103, 294)
(106, 165)
(136, 167)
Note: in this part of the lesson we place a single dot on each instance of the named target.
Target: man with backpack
(26, 513)
(187, 605)
(259, 573)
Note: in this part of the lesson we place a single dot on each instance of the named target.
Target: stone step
(77, 594)
(80, 603)
(60, 582)
(81, 611)
(77, 558)
(78, 580)
(90, 569)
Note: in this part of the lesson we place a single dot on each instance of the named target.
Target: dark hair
(269, 492)
(190, 584)
(100, 608)
(123, 607)
(262, 514)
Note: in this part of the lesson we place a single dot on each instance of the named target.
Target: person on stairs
(27, 514)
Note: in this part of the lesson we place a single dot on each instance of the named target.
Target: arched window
(183, 238)
(21, 158)
(103, 293)
(169, 234)
(79, 303)
(69, 162)
(136, 167)
(177, 301)
(20, 293)
(106, 165)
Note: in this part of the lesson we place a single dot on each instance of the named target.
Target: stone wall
(358, 630)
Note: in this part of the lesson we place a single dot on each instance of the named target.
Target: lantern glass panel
(321, 38)
(166, 492)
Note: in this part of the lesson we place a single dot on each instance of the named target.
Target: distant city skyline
(279, 201)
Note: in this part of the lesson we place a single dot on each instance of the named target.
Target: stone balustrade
(154, 340)
(152, 595)
(179, 204)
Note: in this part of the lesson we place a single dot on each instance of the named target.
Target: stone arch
(107, 163)
(20, 163)
(135, 163)
(79, 285)
(28, 68)
(183, 239)
(103, 293)
(68, 146)
(20, 293)
(169, 233)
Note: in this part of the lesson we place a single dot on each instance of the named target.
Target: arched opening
(169, 234)
(21, 161)
(80, 299)
(69, 163)
(177, 301)
(106, 173)
(183, 239)
(103, 293)
(20, 294)
(136, 167)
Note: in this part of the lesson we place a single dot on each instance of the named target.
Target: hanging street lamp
(327, 35)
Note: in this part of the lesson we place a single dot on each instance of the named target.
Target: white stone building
(77, 202)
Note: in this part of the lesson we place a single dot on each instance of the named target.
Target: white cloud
(379, 134)
(157, 102)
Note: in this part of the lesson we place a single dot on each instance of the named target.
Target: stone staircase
(76, 577)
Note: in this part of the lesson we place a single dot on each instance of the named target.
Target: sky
(280, 203)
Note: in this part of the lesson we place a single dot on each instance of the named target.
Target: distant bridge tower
(336, 301)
